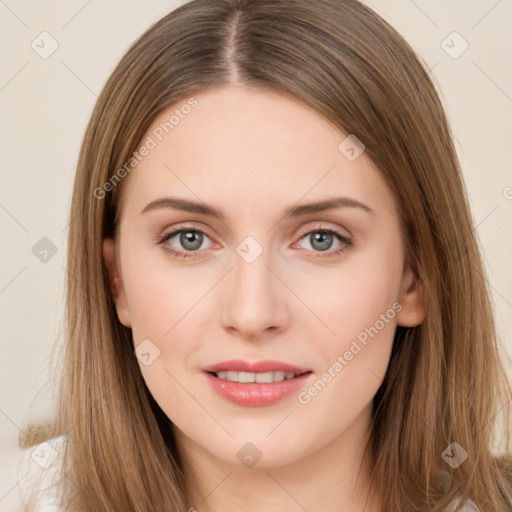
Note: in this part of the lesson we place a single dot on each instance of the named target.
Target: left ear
(411, 299)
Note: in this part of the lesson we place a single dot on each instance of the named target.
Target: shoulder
(39, 472)
(469, 505)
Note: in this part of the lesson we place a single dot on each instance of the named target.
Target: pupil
(187, 240)
(324, 240)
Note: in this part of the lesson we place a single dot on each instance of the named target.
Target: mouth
(257, 377)
(256, 389)
(256, 383)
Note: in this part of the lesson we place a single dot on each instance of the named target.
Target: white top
(43, 463)
(39, 467)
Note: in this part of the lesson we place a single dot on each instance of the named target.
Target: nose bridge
(251, 271)
(254, 301)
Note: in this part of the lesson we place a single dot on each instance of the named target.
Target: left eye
(321, 240)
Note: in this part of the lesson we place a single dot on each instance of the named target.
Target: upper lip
(238, 365)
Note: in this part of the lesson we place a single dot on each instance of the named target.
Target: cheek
(360, 308)
(159, 294)
(162, 301)
(351, 298)
(357, 305)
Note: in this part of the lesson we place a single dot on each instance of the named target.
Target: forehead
(236, 142)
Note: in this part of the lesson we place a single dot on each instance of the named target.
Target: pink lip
(237, 365)
(253, 394)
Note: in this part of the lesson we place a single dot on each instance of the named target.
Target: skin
(252, 154)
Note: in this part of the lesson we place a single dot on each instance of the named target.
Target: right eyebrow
(186, 205)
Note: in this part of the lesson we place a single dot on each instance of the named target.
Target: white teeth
(246, 377)
(265, 378)
(262, 378)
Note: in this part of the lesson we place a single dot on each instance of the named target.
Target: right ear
(116, 283)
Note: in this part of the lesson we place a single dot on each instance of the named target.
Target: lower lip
(253, 394)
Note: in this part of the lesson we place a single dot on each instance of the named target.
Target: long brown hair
(445, 382)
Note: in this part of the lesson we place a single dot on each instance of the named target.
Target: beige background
(45, 105)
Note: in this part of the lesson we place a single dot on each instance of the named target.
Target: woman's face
(262, 281)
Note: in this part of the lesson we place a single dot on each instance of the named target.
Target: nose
(255, 299)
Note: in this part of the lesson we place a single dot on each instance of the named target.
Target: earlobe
(411, 300)
(116, 283)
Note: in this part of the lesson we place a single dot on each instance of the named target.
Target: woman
(275, 295)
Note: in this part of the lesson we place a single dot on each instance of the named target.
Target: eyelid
(320, 226)
(184, 226)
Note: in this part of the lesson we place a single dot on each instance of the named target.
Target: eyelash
(346, 243)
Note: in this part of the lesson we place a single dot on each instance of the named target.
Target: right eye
(190, 239)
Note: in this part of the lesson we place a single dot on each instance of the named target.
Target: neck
(333, 477)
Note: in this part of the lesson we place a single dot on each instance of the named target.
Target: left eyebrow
(187, 205)
(328, 204)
